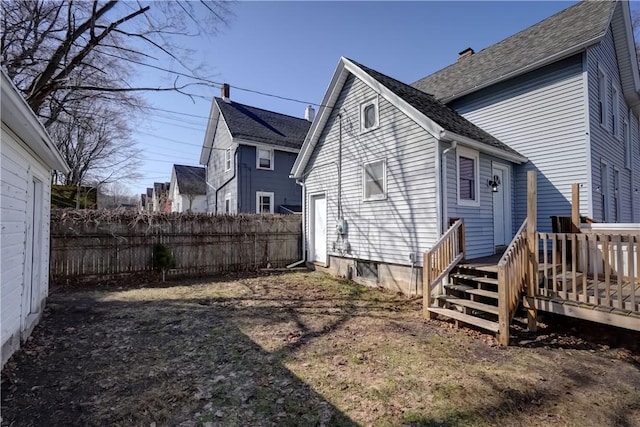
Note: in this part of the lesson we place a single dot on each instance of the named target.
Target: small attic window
(369, 115)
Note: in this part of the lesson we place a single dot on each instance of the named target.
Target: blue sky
(291, 49)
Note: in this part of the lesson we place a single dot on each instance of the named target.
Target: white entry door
(502, 227)
(318, 228)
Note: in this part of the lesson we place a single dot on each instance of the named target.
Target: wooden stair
(471, 297)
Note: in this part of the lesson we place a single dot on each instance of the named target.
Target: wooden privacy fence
(86, 245)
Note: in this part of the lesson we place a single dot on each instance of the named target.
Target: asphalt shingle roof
(258, 125)
(443, 115)
(191, 179)
(567, 29)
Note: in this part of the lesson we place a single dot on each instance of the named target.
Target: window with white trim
(615, 114)
(602, 97)
(604, 191)
(264, 202)
(264, 158)
(227, 160)
(468, 166)
(374, 180)
(369, 117)
(227, 203)
(628, 147)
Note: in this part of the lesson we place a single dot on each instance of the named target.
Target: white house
(188, 189)
(28, 158)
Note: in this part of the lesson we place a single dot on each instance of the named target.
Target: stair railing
(512, 281)
(445, 254)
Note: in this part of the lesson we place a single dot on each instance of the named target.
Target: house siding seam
(216, 174)
(605, 147)
(386, 230)
(541, 115)
(19, 167)
(251, 180)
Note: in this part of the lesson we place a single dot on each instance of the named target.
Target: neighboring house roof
(258, 125)
(435, 117)
(149, 192)
(550, 40)
(160, 187)
(191, 179)
(21, 119)
(254, 125)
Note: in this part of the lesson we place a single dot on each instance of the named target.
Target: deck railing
(594, 267)
(512, 281)
(447, 252)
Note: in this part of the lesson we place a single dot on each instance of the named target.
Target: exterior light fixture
(494, 183)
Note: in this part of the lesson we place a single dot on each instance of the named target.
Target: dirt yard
(304, 349)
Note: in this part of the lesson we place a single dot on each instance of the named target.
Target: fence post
(532, 244)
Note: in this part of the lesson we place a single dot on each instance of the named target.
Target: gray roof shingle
(191, 179)
(572, 27)
(428, 105)
(258, 125)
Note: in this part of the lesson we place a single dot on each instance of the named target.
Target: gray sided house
(377, 192)
(248, 153)
(387, 167)
(188, 189)
(565, 94)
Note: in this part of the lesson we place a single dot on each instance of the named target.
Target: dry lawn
(304, 349)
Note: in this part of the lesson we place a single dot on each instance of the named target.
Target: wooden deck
(612, 300)
(626, 296)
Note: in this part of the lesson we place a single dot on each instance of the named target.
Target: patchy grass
(302, 349)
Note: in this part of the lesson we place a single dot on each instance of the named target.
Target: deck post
(426, 285)
(503, 308)
(532, 244)
(575, 208)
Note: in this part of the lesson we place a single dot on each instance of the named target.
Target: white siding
(384, 230)
(542, 116)
(216, 174)
(19, 167)
(198, 203)
(606, 147)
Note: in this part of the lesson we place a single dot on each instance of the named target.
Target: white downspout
(304, 227)
(445, 195)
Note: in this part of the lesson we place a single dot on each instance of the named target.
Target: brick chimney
(465, 53)
(225, 92)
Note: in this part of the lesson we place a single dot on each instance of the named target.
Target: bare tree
(96, 144)
(78, 64)
(114, 196)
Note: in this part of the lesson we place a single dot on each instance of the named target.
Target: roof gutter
(446, 135)
(538, 64)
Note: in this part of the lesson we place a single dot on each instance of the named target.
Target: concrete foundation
(395, 277)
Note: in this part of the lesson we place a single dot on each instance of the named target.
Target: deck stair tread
(459, 288)
(483, 293)
(472, 320)
(480, 267)
(474, 305)
(488, 280)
